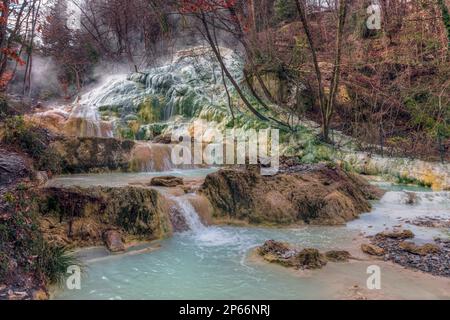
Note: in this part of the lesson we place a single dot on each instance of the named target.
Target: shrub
(53, 261)
(401, 179)
(21, 241)
(18, 133)
(33, 141)
(285, 10)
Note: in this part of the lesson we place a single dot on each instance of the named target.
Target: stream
(217, 262)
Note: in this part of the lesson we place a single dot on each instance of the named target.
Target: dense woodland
(387, 87)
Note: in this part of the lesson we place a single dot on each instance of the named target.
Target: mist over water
(184, 86)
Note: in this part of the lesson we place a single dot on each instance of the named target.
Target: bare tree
(326, 102)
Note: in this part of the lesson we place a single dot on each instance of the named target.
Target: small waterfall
(155, 157)
(85, 121)
(204, 236)
(77, 120)
(189, 214)
(151, 157)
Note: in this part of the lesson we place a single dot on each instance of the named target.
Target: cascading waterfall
(206, 236)
(189, 214)
(191, 82)
(129, 105)
(85, 121)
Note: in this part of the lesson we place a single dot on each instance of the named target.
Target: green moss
(402, 179)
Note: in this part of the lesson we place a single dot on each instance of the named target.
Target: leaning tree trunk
(334, 86)
(322, 100)
(216, 52)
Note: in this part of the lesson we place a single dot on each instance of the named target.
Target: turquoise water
(212, 265)
(218, 262)
(123, 179)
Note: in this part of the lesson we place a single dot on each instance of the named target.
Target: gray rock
(113, 241)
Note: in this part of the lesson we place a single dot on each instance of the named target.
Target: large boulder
(320, 195)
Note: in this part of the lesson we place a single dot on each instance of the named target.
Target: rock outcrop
(314, 195)
(12, 167)
(434, 174)
(291, 257)
(428, 248)
(77, 217)
(167, 181)
(93, 154)
(310, 259)
(338, 255)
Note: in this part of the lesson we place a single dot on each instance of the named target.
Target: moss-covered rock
(396, 234)
(338, 255)
(372, 249)
(93, 154)
(428, 248)
(317, 195)
(289, 256)
(80, 216)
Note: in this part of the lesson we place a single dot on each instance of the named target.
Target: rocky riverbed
(399, 247)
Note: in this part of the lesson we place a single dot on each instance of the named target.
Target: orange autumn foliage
(195, 6)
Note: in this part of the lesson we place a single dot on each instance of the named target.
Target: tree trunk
(322, 99)
(327, 105)
(225, 69)
(250, 56)
(3, 37)
(334, 86)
